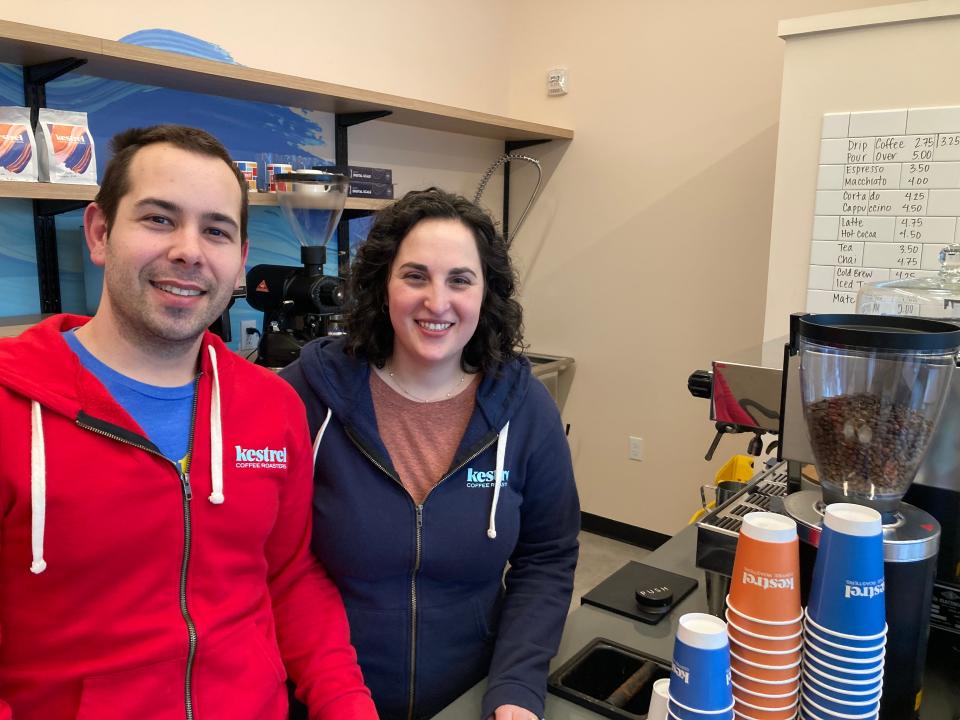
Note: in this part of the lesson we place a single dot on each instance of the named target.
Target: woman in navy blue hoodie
(440, 463)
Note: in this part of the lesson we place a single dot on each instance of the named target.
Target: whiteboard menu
(888, 199)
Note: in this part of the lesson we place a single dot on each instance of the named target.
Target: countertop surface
(588, 622)
(941, 685)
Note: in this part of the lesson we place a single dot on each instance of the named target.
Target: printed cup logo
(855, 590)
(681, 672)
(260, 457)
(765, 582)
(485, 478)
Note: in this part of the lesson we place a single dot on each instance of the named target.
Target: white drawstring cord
(498, 475)
(38, 489)
(319, 438)
(38, 468)
(216, 435)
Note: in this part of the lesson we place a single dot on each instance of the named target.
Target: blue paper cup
(847, 591)
(858, 641)
(832, 643)
(700, 674)
(843, 662)
(847, 659)
(832, 706)
(848, 682)
(680, 712)
(864, 672)
(806, 713)
(841, 690)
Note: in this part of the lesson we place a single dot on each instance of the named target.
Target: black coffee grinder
(300, 303)
(871, 391)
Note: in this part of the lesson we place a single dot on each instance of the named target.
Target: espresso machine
(794, 486)
(300, 303)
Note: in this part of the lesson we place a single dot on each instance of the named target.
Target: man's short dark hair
(116, 178)
(499, 333)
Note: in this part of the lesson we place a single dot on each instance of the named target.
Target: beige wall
(646, 255)
(442, 51)
(837, 71)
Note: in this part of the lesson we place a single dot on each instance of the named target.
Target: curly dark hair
(499, 334)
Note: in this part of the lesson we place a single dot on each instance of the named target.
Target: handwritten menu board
(888, 199)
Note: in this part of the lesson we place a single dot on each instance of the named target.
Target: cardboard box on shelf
(370, 174)
(375, 190)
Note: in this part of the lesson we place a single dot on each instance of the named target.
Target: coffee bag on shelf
(65, 147)
(18, 150)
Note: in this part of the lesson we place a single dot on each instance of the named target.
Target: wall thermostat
(557, 81)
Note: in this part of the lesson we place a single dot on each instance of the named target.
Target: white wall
(646, 256)
(836, 71)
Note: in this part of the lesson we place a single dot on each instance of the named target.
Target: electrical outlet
(248, 340)
(636, 448)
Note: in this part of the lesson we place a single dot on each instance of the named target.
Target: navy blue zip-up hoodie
(431, 612)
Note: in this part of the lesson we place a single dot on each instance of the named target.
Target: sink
(593, 678)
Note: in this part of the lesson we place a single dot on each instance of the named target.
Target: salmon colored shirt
(420, 437)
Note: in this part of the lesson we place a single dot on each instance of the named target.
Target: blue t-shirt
(164, 413)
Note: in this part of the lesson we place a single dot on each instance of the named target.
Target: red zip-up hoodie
(131, 591)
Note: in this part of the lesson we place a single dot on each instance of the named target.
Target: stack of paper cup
(764, 618)
(845, 626)
(700, 686)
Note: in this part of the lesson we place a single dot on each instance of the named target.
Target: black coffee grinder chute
(872, 390)
(300, 303)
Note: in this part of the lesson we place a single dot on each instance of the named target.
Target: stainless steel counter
(941, 684)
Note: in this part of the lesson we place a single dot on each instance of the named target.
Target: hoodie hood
(39, 366)
(31, 366)
(342, 384)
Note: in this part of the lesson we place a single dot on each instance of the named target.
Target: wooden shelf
(85, 193)
(22, 44)
(47, 191)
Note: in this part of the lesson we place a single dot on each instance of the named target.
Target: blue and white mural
(250, 131)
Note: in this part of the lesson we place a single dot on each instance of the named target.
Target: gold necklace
(393, 378)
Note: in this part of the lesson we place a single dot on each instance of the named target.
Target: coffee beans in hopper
(870, 445)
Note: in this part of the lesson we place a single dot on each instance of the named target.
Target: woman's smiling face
(434, 293)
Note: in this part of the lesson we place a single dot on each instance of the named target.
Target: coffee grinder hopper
(872, 390)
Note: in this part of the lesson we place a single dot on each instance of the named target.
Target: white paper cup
(659, 698)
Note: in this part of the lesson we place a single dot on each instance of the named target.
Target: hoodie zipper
(186, 495)
(419, 551)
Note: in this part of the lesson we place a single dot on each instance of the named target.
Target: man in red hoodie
(155, 488)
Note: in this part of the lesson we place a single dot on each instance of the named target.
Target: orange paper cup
(788, 629)
(763, 643)
(776, 658)
(766, 569)
(763, 671)
(765, 702)
(765, 687)
(750, 713)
